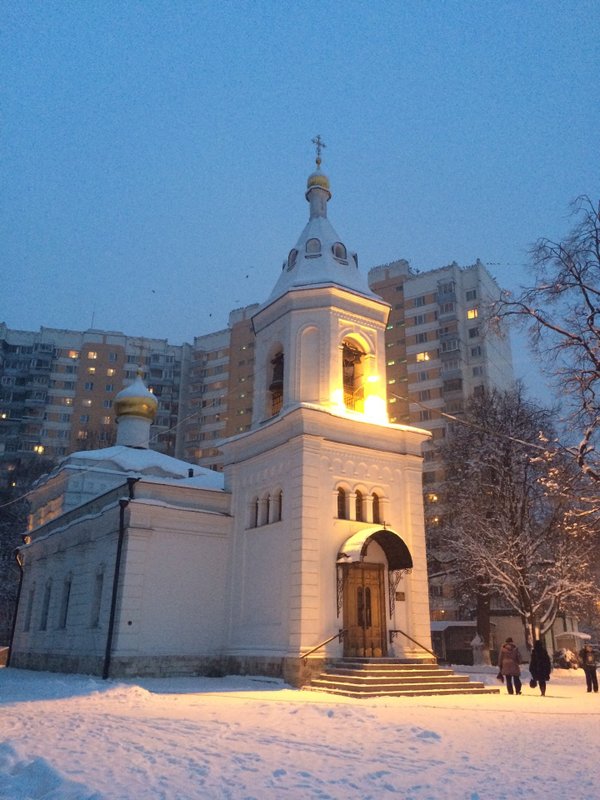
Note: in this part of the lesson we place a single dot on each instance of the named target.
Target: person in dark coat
(540, 666)
(589, 662)
(509, 659)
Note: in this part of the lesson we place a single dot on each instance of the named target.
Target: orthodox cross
(319, 144)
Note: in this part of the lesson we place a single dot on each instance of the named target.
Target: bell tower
(326, 493)
(320, 334)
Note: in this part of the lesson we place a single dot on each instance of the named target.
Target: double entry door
(364, 611)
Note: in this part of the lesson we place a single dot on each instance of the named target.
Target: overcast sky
(155, 154)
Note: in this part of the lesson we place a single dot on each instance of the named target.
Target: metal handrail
(422, 646)
(339, 635)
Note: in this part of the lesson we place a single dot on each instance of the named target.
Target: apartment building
(439, 347)
(57, 388)
(220, 389)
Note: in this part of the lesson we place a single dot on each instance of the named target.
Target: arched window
(353, 368)
(376, 509)
(254, 513)
(46, 605)
(313, 247)
(291, 262)
(341, 504)
(64, 603)
(339, 251)
(276, 385)
(278, 507)
(359, 506)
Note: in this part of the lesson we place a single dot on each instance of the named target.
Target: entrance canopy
(397, 553)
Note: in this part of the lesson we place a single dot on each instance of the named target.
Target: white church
(309, 546)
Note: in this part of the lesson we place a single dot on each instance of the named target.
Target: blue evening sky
(154, 154)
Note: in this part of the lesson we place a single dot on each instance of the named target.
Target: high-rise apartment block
(57, 389)
(439, 347)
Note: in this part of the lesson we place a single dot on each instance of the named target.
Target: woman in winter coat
(509, 659)
(540, 666)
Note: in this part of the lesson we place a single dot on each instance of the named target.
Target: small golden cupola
(135, 409)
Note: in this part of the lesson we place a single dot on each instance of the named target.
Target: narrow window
(46, 606)
(376, 509)
(255, 507)
(278, 507)
(64, 604)
(97, 600)
(29, 611)
(276, 385)
(341, 504)
(359, 506)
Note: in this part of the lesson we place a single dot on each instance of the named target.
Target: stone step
(393, 677)
(372, 680)
(389, 672)
(412, 692)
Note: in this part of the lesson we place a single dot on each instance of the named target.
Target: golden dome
(318, 179)
(136, 401)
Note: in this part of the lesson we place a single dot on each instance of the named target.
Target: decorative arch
(393, 545)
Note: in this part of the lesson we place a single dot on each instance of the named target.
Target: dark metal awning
(397, 553)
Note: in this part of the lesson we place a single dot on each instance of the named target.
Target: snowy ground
(71, 737)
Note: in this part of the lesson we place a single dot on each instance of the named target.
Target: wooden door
(364, 612)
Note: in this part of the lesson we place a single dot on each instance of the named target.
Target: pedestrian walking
(509, 660)
(589, 662)
(539, 667)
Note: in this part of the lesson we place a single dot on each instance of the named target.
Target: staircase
(373, 677)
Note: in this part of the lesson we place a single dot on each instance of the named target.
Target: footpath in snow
(72, 737)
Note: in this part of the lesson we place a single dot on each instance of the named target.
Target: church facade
(312, 539)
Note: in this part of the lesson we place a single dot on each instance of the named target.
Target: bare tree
(14, 508)
(513, 521)
(562, 314)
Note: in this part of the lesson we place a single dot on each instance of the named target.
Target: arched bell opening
(276, 384)
(353, 373)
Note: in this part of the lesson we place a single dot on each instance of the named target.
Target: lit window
(39, 449)
(391, 363)
(91, 370)
(73, 354)
(92, 355)
(106, 420)
(472, 313)
(68, 401)
(86, 403)
(110, 372)
(423, 356)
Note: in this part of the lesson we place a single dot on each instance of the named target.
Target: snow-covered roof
(148, 463)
